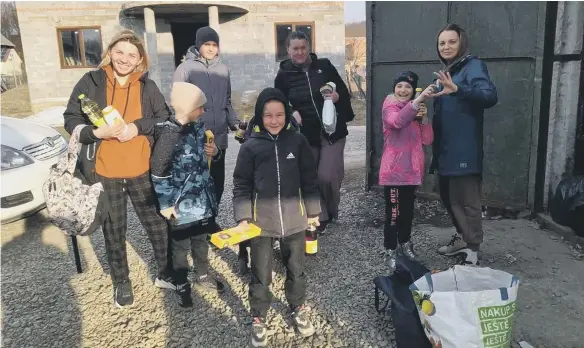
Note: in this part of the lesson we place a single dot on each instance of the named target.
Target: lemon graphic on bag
(428, 307)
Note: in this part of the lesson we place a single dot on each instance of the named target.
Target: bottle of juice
(92, 110)
(112, 116)
(240, 134)
(311, 240)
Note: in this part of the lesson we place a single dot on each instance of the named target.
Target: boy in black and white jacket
(276, 188)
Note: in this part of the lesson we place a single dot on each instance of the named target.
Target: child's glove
(168, 213)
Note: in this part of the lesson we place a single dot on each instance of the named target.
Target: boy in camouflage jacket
(184, 187)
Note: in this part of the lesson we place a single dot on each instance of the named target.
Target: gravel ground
(45, 303)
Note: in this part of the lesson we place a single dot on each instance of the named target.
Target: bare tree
(355, 53)
(10, 28)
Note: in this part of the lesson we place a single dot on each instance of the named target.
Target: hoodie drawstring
(127, 98)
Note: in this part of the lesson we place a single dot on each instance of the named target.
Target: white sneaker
(302, 321)
(407, 249)
(472, 257)
(390, 256)
(164, 283)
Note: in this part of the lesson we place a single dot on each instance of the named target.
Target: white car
(29, 150)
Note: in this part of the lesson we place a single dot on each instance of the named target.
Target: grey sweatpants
(461, 196)
(330, 161)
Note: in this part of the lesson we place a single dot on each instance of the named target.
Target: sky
(354, 11)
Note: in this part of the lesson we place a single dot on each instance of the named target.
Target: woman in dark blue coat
(465, 91)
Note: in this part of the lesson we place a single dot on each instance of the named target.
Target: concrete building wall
(247, 43)
(564, 95)
(48, 83)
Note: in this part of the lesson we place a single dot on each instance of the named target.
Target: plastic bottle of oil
(92, 110)
(311, 240)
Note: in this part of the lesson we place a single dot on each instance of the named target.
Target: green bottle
(92, 110)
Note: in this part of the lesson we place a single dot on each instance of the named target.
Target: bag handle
(74, 148)
(428, 277)
(377, 301)
(504, 292)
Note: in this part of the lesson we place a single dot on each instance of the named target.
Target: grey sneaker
(183, 295)
(123, 295)
(390, 258)
(259, 333)
(208, 284)
(454, 247)
(302, 322)
(407, 249)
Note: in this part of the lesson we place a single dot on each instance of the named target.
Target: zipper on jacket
(279, 191)
(211, 94)
(255, 208)
(301, 207)
(182, 189)
(315, 108)
(188, 177)
(206, 65)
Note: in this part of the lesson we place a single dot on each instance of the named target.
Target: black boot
(183, 295)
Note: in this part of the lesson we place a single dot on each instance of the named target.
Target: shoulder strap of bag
(74, 148)
(377, 301)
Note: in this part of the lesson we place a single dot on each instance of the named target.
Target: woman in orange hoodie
(119, 156)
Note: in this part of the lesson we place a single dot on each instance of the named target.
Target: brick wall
(247, 43)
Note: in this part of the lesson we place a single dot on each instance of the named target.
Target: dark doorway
(183, 35)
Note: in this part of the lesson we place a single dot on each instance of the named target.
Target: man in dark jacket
(275, 187)
(203, 68)
(300, 79)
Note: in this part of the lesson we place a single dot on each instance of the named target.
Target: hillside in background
(357, 29)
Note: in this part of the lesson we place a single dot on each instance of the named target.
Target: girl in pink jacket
(405, 130)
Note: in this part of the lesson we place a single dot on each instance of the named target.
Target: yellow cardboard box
(235, 235)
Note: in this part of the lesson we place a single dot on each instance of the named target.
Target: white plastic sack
(467, 307)
(329, 112)
(329, 116)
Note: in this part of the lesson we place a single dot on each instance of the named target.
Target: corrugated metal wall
(508, 36)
